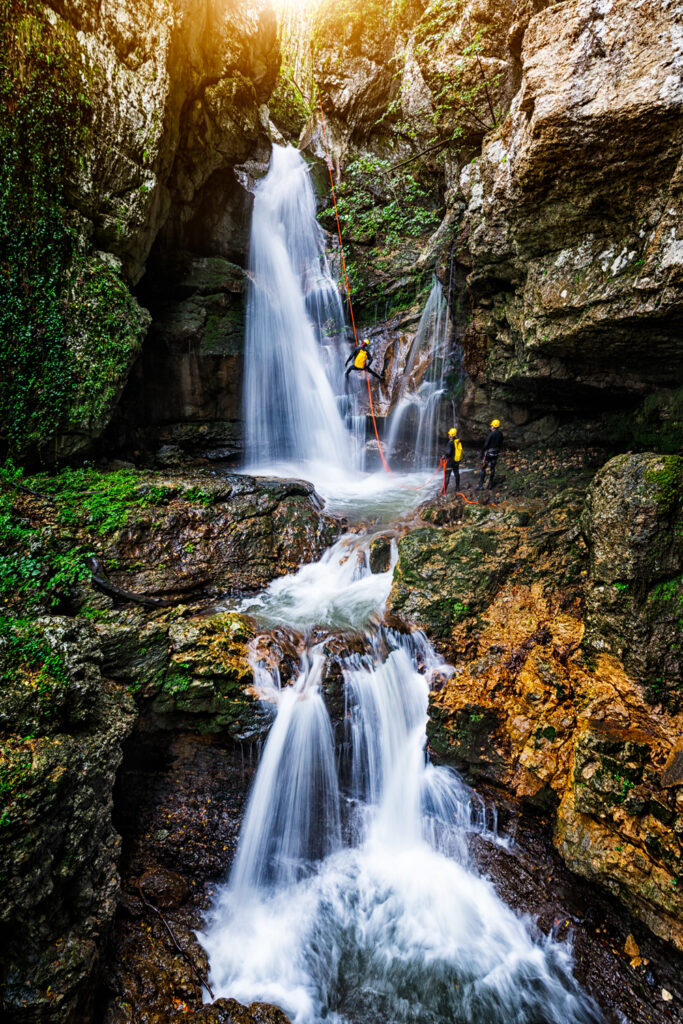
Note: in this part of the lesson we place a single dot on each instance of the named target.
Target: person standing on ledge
(362, 357)
(452, 457)
(490, 452)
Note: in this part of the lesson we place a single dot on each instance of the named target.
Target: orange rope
(348, 295)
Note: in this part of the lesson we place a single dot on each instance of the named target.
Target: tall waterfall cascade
(417, 411)
(294, 354)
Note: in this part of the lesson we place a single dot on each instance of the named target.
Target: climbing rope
(386, 465)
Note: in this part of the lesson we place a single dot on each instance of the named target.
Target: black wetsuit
(489, 454)
(452, 466)
(360, 369)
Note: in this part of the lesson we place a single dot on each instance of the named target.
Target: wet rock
(672, 773)
(164, 888)
(380, 555)
(59, 756)
(229, 1011)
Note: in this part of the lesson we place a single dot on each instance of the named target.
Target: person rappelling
(360, 359)
(451, 460)
(490, 452)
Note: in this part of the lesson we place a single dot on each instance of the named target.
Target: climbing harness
(386, 465)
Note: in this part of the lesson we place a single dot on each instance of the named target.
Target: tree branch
(183, 952)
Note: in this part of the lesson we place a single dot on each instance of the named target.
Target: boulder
(633, 524)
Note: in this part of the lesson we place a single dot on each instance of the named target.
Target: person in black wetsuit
(452, 457)
(360, 359)
(490, 452)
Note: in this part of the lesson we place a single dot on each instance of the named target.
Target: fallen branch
(183, 952)
(100, 582)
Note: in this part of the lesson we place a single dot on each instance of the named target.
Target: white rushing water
(352, 899)
(301, 417)
(416, 416)
(294, 351)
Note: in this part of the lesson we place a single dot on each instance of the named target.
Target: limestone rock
(571, 230)
(58, 845)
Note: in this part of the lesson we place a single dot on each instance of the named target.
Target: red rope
(348, 295)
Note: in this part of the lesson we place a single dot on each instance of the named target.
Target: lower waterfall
(352, 898)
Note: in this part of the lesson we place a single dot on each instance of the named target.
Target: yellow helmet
(365, 342)
(495, 423)
(452, 432)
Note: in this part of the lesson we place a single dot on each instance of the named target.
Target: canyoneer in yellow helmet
(451, 458)
(489, 454)
(360, 359)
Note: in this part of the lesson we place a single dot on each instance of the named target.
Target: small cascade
(353, 899)
(415, 418)
(293, 814)
(294, 352)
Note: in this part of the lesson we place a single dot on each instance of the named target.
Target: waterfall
(417, 410)
(294, 352)
(353, 899)
(293, 813)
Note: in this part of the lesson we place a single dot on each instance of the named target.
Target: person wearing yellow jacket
(452, 457)
(360, 359)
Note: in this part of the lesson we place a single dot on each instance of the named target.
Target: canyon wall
(163, 111)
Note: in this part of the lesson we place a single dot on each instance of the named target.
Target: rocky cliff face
(167, 104)
(559, 618)
(571, 229)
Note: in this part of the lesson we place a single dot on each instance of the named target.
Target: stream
(353, 898)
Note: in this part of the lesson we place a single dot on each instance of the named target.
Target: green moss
(26, 654)
(668, 482)
(104, 501)
(288, 107)
(36, 569)
(15, 769)
(386, 215)
(68, 324)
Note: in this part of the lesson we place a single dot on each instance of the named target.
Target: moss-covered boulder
(443, 576)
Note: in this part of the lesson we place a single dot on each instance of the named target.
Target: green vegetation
(26, 653)
(288, 106)
(69, 326)
(36, 570)
(42, 564)
(15, 767)
(101, 501)
(378, 208)
(668, 482)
